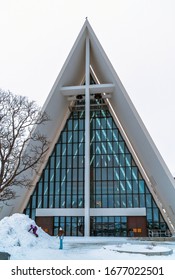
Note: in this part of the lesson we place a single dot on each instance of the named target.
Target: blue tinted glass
(142, 200)
(117, 201)
(135, 201)
(141, 186)
(121, 147)
(123, 201)
(122, 173)
(134, 173)
(128, 159)
(104, 201)
(129, 186)
(148, 200)
(46, 175)
(115, 180)
(40, 188)
(129, 201)
(149, 214)
(128, 173)
(135, 187)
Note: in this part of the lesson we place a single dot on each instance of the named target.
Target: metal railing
(158, 233)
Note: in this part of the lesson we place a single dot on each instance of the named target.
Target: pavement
(124, 245)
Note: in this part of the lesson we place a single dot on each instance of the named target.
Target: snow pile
(14, 233)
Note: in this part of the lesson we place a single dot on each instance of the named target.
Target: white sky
(137, 35)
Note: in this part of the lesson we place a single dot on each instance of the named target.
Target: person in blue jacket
(61, 236)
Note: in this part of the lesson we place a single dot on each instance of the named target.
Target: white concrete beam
(80, 212)
(87, 140)
(118, 211)
(73, 90)
(59, 212)
(96, 88)
(101, 88)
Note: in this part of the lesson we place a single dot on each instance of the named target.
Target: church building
(102, 175)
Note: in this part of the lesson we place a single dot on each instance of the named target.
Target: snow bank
(14, 233)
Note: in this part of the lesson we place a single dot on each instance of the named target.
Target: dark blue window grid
(115, 179)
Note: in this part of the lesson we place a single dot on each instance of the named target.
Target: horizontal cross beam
(93, 89)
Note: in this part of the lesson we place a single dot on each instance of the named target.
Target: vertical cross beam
(87, 140)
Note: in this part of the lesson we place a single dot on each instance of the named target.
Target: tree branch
(21, 148)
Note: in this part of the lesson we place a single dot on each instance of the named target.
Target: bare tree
(22, 146)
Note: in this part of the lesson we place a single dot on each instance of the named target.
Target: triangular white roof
(154, 169)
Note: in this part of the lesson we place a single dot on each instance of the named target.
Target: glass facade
(115, 179)
(73, 226)
(109, 226)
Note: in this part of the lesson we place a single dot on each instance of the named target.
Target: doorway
(46, 223)
(138, 225)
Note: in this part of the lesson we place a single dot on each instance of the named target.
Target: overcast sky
(138, 36)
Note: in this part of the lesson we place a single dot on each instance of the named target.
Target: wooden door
(138, 225)
(46, 223)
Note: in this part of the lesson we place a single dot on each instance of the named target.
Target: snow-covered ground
(23, 245)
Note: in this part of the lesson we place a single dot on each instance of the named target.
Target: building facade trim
(47, 212)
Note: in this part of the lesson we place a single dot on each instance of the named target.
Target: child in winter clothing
(34, 230)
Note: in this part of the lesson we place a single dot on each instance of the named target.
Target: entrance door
(138, 224)
(46, 223)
